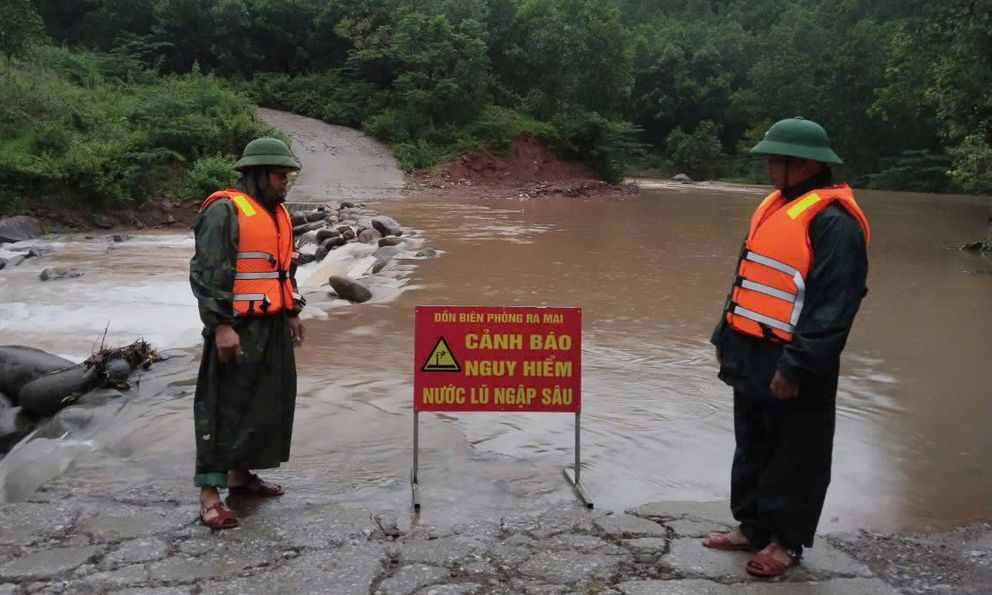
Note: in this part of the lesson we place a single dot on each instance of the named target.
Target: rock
(99, 396)
(320, 254)
(298, 219)
(302, 229)
(391, 241)
(682, 178)
(323, 234)
(379, 265)
(170, 220)
(120, 237)
(304, 259)
(13, 261)
(386, 252)
(144, 549)
(387, 226)
(309, 237)
(118, 370)
(102, 221)
(317, 215)
(35, 251)
(369, 236)
(333, 242)
(411, 578)
(15, 423)
(18, 229)
(56, 273)
(624, 525)
(20, 365)
(427, 253)
(349, 289)
(347, 204)
(47, 564)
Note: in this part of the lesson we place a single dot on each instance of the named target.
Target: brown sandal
(225, 519)
(256, 486)
(721, 541)
(764, 565)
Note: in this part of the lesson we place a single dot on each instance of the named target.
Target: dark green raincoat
(782, 462)
(243, 412)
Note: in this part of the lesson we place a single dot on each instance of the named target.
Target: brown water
(650, 274)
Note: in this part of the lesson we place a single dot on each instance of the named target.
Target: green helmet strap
(797, 137)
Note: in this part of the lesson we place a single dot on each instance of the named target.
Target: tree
(20, 28)
(699, 154)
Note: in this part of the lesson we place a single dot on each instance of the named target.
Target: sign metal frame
(571, 473)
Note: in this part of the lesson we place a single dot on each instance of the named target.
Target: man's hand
(783, 388)
(296, 330)
(228, 344)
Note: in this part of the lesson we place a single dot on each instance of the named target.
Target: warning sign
(484, 358)
(440, 359)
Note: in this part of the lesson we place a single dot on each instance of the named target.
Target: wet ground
(650, 273)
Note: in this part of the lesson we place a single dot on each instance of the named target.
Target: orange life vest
(264, 267)
(769, 288)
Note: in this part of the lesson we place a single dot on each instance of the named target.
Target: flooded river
(650, 274)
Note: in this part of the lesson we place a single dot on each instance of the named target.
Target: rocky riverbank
(94, 532)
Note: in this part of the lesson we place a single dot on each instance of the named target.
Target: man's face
(279, 180)
(784, 172)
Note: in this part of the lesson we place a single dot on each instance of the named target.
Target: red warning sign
(497, 358)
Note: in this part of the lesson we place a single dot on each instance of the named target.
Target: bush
(606, 146)
(208, 175)
(698, 154)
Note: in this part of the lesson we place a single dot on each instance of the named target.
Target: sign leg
(414, 472)
(572, 476)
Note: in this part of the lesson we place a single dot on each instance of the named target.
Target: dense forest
(111, 100)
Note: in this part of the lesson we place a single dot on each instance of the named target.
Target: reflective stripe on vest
(262, 279)
(769, 289)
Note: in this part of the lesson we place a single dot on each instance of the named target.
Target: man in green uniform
(784, 370)
(246, 390)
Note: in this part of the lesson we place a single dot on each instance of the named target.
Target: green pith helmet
(266, 151)
(797, 137)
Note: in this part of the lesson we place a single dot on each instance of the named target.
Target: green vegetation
(150, 88)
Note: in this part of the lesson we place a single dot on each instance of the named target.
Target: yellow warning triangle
(441, 359)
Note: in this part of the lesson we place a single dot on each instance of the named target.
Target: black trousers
(782, 463)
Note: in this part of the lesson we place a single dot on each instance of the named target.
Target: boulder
(390, 241)
(320, 254)
(387, 226)
(34, 251)
(386, 252)
(15, 423)
(13, 261)
(350, 289)
(302, 229)
(323, 234)
(333, 242)
(20, 365)
(427, 253)
(102, 221)
(304, 259)
(317, 215)
(369, 236)
(48, 394)
(309, 237)
(347, 204)
(55, 273)
(298, 219)
(18, 229)
(682, 178)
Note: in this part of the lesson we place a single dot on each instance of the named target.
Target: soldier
(242, 275)
(799, 282)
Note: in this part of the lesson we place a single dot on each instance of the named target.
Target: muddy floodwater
(650, 274)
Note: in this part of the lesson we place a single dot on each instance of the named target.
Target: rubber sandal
(225, 519)
(256, 486)
(721, 541)
(765, 566)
